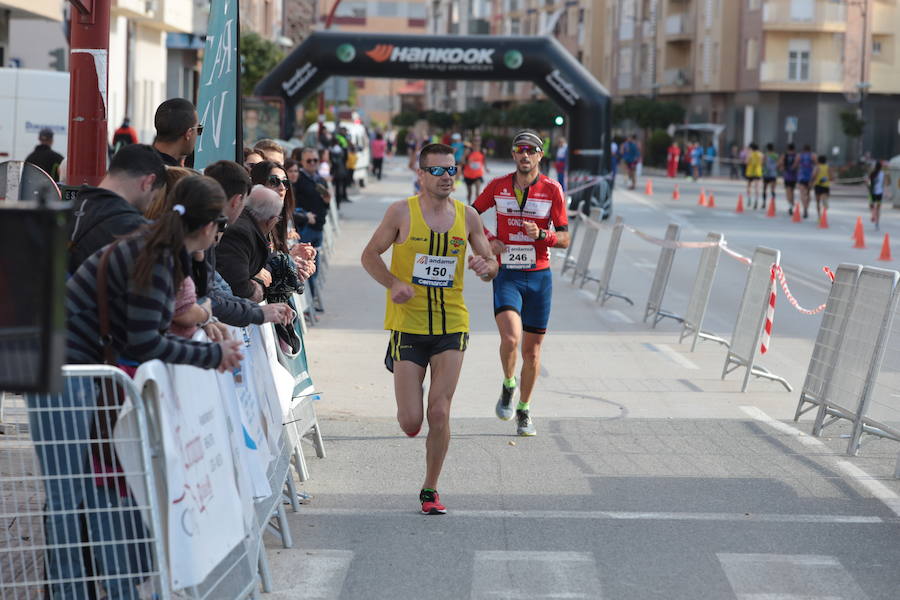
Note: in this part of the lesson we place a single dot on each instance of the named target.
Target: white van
(359, 137)
(32, 100)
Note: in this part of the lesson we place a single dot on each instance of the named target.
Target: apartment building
(568, 21)
(768, 70)
(378, 99)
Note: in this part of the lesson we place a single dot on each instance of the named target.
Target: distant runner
(528, 204)
(426, 313)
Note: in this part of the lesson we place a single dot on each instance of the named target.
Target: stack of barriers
(201, 469)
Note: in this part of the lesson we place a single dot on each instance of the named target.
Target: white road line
(316, 574)
(607, 515)
(509, 574)
(880, 491)
(789, 577)
(875, 487)
(620, 316)
(675, 357)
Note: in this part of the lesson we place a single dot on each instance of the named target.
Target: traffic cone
(770, 213)
(823, 220)
(886, 249)
(711, 202)
(701, 201)
(858, 236)
(649, 189)
(740, 205)
(676, 195)
(796, 217)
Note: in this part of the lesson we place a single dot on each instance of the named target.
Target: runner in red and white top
(531, 218)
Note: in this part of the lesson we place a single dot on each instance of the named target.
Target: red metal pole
(88, 84)
(328, 21)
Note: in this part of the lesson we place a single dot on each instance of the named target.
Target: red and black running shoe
(431, 503)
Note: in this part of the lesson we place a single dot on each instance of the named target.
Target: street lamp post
(863, 85)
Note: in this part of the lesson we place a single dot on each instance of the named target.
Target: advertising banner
(219, 95)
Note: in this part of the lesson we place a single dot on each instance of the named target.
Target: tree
(647, 113)
(853, 126)
(258, 57)
(407, 118)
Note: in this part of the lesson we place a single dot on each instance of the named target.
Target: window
(387, 9)
(753, 4)
(802, 10)
(752, 54)
(798, 59)
(626, 20)
(707, 60)
(798, 65)
(876, 47)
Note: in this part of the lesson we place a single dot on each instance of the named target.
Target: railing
(679, 24)
(818, 72)
(809, 13)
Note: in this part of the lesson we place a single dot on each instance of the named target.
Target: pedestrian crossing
(513, 575)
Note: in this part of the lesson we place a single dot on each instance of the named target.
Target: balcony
(805, 15)
(676, 77)
(822, 76)
(166, 15)
(679, 27)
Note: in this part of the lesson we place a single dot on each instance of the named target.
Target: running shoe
(504, 407)
(524, 424)
(431, 503)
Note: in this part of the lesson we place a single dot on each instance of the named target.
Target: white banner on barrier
(203, 508)
(282, 378)
(257, 362)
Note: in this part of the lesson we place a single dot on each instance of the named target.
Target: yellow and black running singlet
(434, 264)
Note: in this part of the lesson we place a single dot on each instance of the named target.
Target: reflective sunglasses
(526, 150)
(221, 223)
(274, 180)
(438, 171)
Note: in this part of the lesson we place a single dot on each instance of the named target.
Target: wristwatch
(542, 235)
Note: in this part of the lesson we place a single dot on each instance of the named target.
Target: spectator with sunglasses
(313, 200)
(177, 130)
(227, 307)
(531, 219)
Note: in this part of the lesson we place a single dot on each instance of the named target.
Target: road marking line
(620, 316)
(880, 491)
(673, 356)
(510, 574)
(788, 577)
(607, 515)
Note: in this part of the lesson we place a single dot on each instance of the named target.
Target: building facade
(377, 100)
(768, 70)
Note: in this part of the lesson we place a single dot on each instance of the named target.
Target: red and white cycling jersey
(544, 203)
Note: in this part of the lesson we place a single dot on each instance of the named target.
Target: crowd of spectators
(159, 251)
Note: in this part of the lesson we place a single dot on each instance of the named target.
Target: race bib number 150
(434, 271)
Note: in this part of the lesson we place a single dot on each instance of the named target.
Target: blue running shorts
(526, 292)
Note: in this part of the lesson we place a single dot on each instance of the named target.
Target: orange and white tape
(770, 313)
(777, 270)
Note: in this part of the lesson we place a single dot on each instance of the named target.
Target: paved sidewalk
(650, 477)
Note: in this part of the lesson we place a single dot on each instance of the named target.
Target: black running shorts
(420, 348)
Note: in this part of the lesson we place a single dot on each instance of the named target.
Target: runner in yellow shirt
(426, 314)
(822, 184)
(754, 173)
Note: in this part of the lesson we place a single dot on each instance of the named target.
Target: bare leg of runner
(509, 324)
(408, 378)
(531, 364)
(445, 368)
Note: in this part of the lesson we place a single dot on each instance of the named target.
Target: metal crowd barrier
(69, 526)
(574, 223)
(749, 324)
(582, 264)
(604, 291)
(661, 280)
(692, 325)
(828, 339)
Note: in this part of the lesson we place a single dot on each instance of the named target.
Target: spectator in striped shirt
(143, 273)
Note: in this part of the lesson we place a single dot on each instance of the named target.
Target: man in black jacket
(311, 194)
(244, 249)
(44, 156)
(116, 207)
(227, 307)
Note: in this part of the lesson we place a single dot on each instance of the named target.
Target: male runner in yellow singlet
(426, 313)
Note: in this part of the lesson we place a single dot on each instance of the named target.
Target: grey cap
(528, 137)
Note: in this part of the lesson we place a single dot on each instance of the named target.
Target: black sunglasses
(199, 128)
(311, 160)
(438, 171)
(274, 180)
(221, 223)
